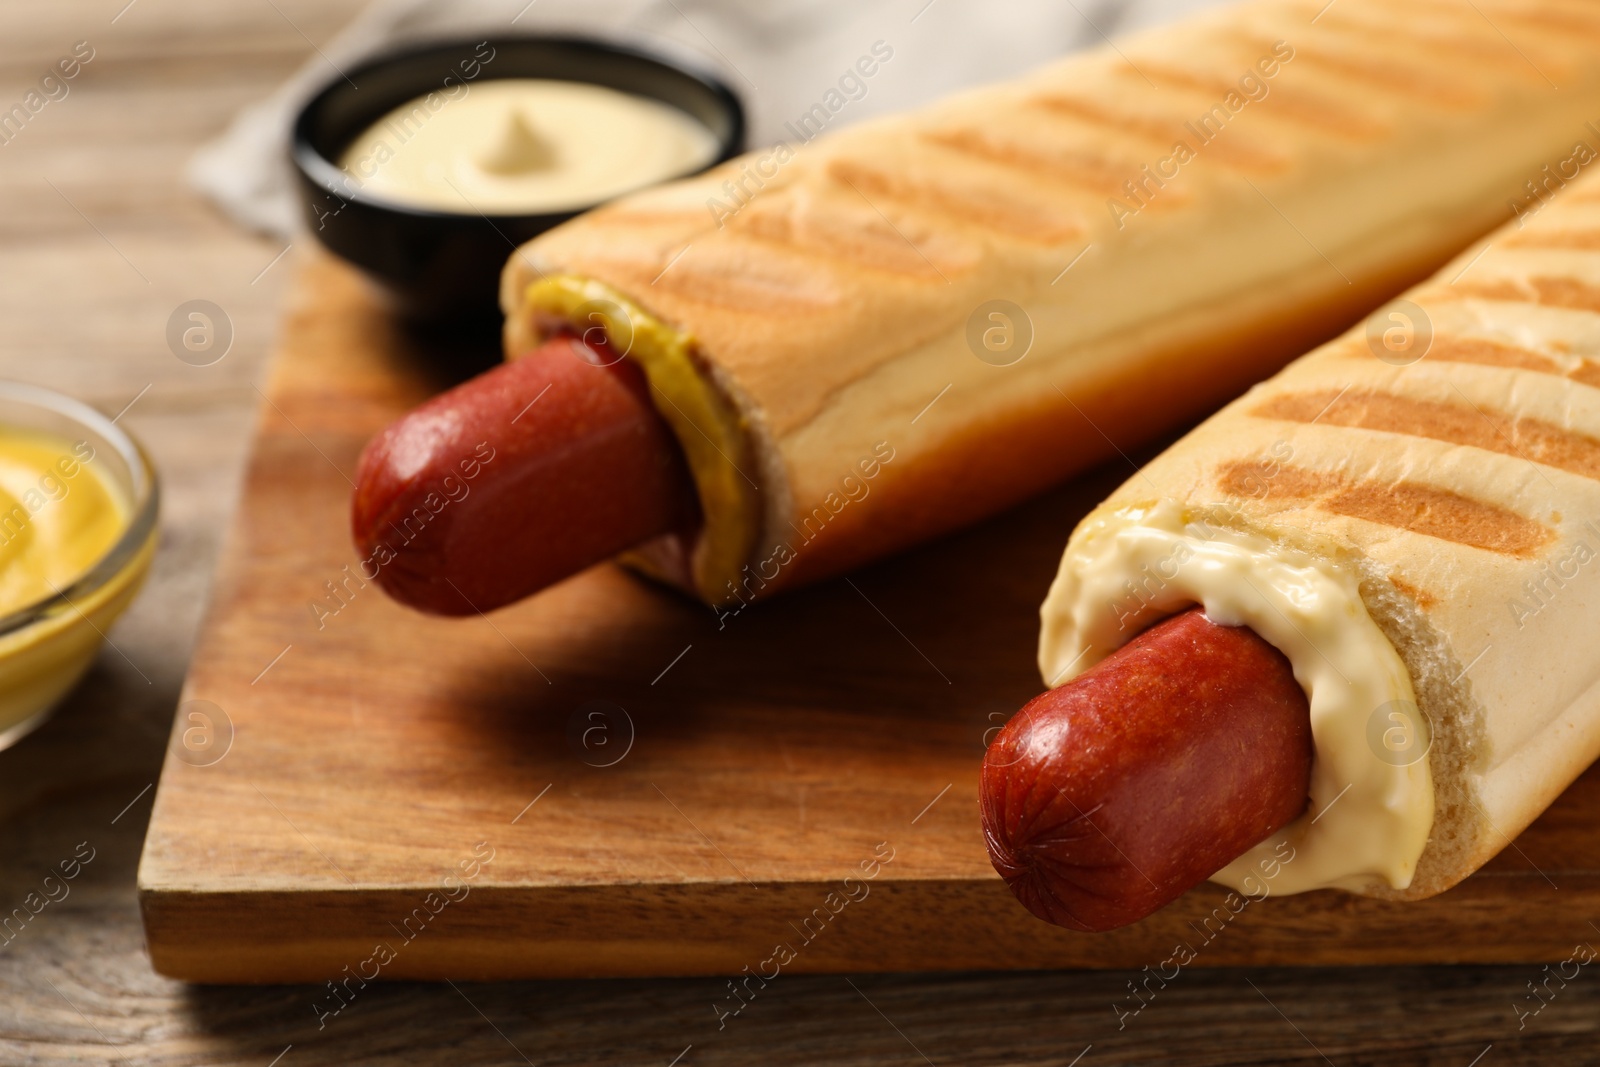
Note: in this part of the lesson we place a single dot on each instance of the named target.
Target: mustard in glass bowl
(78, 506)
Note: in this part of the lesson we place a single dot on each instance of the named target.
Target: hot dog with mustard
(892, 330)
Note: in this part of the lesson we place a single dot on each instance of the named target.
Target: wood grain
(78, 986)
(757, 761)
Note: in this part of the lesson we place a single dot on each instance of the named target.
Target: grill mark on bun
(1567, 293)
(1482, 351)
(1027, 221)
(742, 280)
(1456, 424)
(1418, 509)
(1235, 153)
(1546, 17)
(1271, 480)
(1541, 17)
(1491, 354)
(1423, 598)
(1088, 171)
(1486, 353)
(1440, 513)
(1471, 39)
(1587, 240)
(1494, 354)
(1588, 374)
(1160, 131)
(866, 240)
(1356, 63)
(1305, 110)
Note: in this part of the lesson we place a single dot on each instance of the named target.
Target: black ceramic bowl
(441, 265)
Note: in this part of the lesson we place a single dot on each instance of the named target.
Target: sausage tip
(1106, 799)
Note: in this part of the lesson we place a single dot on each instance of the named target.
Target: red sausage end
(517, 479)
(1111, 796)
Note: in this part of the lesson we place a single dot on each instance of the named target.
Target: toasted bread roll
(884, 333)
(1411, 513)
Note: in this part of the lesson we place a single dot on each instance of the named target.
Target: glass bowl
(46, 646)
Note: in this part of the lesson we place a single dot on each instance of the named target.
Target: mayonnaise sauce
(58, 515)
(525, 146)
(1370, 811)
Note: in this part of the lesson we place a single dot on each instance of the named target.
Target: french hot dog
(895, 329)
(1410, 515)
(1008, 286)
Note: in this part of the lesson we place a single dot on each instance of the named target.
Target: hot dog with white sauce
(1407, 522)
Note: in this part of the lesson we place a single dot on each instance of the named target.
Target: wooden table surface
(99, 242)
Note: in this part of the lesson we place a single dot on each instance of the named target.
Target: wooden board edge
(503, 933)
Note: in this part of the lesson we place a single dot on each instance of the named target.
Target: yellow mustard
(714, 436)
(58, 515)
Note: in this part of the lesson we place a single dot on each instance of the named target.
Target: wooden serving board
(426, 798)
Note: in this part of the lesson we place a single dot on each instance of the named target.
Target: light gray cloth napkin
(781, 56)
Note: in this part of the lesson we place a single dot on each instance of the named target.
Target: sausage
(1109, 797)
(516, 479)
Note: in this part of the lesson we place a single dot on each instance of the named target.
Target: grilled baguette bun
(1175, 217)
(1443, 462)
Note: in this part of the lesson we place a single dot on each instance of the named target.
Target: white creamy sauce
(525, 146)
(1369, 816)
